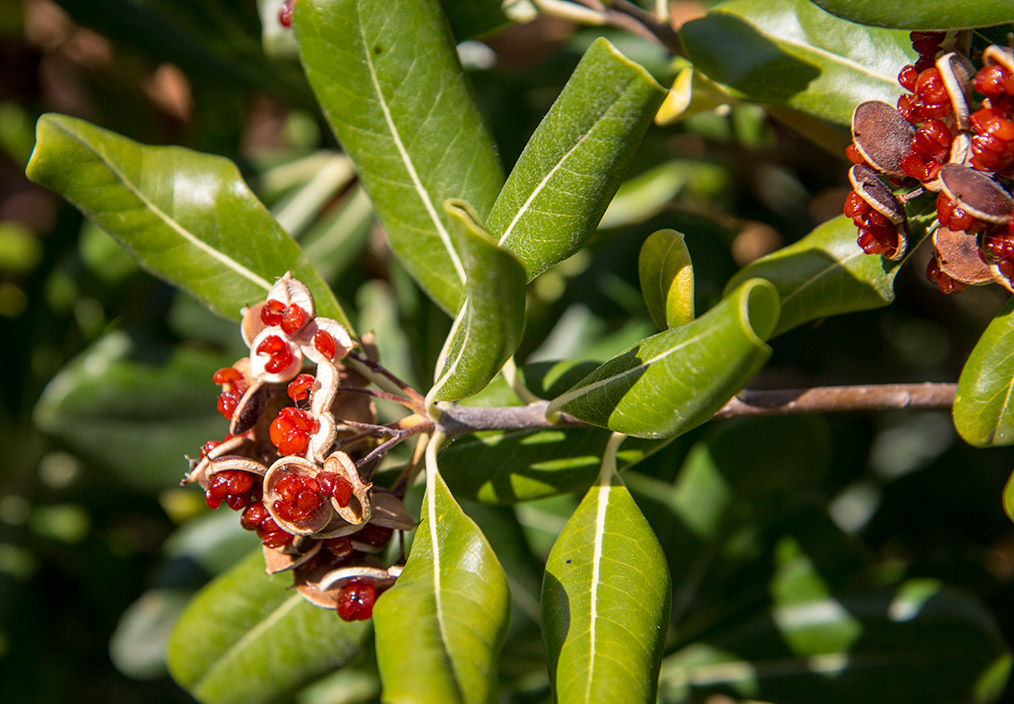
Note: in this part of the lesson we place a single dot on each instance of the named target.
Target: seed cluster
(952, 133)
(279, 464)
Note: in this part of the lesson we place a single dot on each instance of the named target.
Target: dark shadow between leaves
(556, 610)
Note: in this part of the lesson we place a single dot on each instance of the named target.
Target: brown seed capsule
(956, 72)
(881, 135)
(958, 257)
(881, 199)
(977, 194)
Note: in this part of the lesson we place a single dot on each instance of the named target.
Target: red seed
(285, 13)
(933, 270)
(226, 375)
(253, 515)
(907, 77)
(295, 317)
(324, 343)
(208, 447)
(855, 205)
(930, 87)
(272, 312)
(339, 547)
(227, 403)
(299, 387)
(989, 81)
(355, 601)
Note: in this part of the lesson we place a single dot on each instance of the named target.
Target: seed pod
(250, 408)
(956, 72)
(338, 333)
(878, 196)
(360, 508)
(958, 257)
(389, 511)
(290, 291)
(297, 553)
(238, 446)
(961, 151)
(308, 584)
(1002, 55)
(252, 324)
(881, 135)
(313, 523)
(977, 194)
(338, 577)
(259, 361)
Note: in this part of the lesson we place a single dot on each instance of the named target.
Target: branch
(461, 420)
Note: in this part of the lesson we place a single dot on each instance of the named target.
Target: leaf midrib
(164, 217)
(236, 649)
(406, 158)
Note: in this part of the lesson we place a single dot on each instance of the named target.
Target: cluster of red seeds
(237, 488)
(301, 495)
(877, 234)
(927, 104)
(355, 601)
(291, 430)
(257, 518)
(233, 389)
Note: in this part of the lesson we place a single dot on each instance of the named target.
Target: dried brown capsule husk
(1002, 55)
(240, 446)
(958, 256)
(250, 407)
(882, 136)
(956, 72)
(977, 194)
(880, 198)
(359, 510)
(308, 582)
(292, 556)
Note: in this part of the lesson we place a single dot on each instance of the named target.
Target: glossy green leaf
(473, 18)
(487, 330)
(675, 380)
(926, 14)
(792, 53)
(605, 601)
(135, 409)
(440, 628)
(916, 643)
(248, 637)
(513, 466)
(667, 279)
(984, 404)
(412, 126)
(570, 169)
(184, 216)
(826, 273)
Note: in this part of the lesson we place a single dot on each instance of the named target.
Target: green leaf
(247, 637)
(792, 53)
(473, 18)
(605, 601)
(918, 642)
(186, 217)
(984, 404)
(440, 628)
(570, 169)
(513, 466)
(388, 79)
(826, 273)
(667, 279)
(135, 409)
(927, 14)
(675, 380)
(487, 329)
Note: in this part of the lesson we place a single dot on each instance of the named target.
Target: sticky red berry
(272, 312)
(855, 205)
(930, 87)
(355, 601)
(299, 388)
(227, 403)
(324, 343)
(294, 318)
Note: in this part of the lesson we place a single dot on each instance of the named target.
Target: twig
(839, 398)
(378, 368)
(461, 420)
(368, 464)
